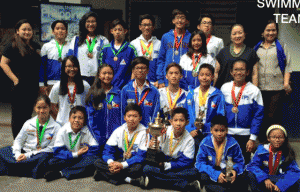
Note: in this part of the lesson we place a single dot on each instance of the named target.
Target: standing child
(244, 108)
(70, 91)
(119, 54)
(53, 53)
(204, 99)
(103, 105)
(74, 149)
(148, 46)
(141, 92)
(193, 59)
(172, 96)
(274, 166)
(124, 151)
(87, 46)
(173, 44)
(214, 151)
(33, 145)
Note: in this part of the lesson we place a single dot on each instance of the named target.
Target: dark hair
(267, 22)
(180, 12)
(96, 93)
(116, 22)
(79, 108)
(147, 16)
(139, 60)
(208, 16)
(44, 98)
(240, 60)
(219, 120)
(207, 66)
(63, 88)
(83, 31)
(18, 42)
(133, 107)
(180, 110)
(235, 25)
(203, 48)
(53, 25)
(174, 65)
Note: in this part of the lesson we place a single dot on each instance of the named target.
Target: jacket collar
(153, 38)
(211, 91)
(69, 129)
(51, 122)
(139, 128)
(229, 143)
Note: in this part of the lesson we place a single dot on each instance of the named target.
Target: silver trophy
(199, 119)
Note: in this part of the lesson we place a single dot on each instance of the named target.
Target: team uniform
(51, 66)
(150, 105)
(167, 53)
(88, 66)
(247, 121)
(120, 59)
(115, 150)
(152, 76)
(106, 118)
(287, 177)
(26, 142)
(190, 76)
(214, 46)
(206, 164)
(178, 161)
(66, 147)
(64, 101)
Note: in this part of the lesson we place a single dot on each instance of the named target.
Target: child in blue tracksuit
(174, 44)
(214, 151)
(244, 108)
(119, 54)
(74, 149)
(33, 145)
(103, 105)
(124, 151)
(53, 53)
(206, 98)
(141, 92)
(274, 167)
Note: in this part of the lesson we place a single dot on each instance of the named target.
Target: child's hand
(161, 85)
(194, 133)
(233, 177)
(250, 145)
(21, 157)
(276, 188)
(269, 185)
(83, 150)
(221, 178)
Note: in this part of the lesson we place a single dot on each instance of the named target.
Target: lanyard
(72, 144)
(173, 104)
(196, 62)
(273, 170)
(143, 98)
(59, 49)
(234, 100)
(90, 45)
(129, 144)
(176, 39)
(40, 133)
(202, 100)
(110, 99)
(147, 50)
(208, 39)
(172, 149)
(116, 54)
(73, 96)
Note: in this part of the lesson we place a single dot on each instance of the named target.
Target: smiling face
(276, 138)
(196, 42)
(42, 110)
(60, 31)
(239, 72)
(91, 24)
(237, 35)
(132, 119)
(219, 132)
(146, 27)
(140, 71)
(205, 77)
(178, 123)
(106, 75)
(77, 121)
(25, 31)
(71, 70)
(118, 32)
(180, 21)
(206, 25)
(270, 32)
(173, 75)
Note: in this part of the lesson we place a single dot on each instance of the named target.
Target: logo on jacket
(189, 102)
(100, 106)
(147, 103)
(213, 105)
(130, 101)
(123, 62)
(115, 105)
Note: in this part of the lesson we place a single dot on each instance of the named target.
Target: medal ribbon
(72, 100)
(273, 170)
(39, 132)
(176, 39)
(128, 145)
(173, 104)
(202, 100)
(116, 54)
(143, 98)
(91, 45)
(59, 49)
(196, 63)
(219, 152)
(72, 144)
(147, 50)
(208, 39)
(236, 101)
(110, 99)
(172, 149)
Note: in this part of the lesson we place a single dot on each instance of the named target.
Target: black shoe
(98, 176)
(52, 175)
(137, 182)
(194, 186)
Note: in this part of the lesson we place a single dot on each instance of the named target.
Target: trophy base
(154, 157)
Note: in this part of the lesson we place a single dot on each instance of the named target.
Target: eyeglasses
(141, 68)
(279, 138)
(208, 23)
(146, 25)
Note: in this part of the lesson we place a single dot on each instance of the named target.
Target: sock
(128, 179)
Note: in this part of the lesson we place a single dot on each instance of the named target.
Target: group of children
(105, 113)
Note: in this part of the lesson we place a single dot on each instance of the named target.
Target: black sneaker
(52, 175)
(137, 182)
(194, 186)
(97, 176)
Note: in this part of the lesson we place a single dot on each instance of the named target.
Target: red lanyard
(208, 39)
(236, 101)
(143, 98)
(198, 59)
(272, 170)
(74, 93)
(176, 40)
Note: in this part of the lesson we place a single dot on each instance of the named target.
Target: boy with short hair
(174, 44)
(147, 45)
(213, 153)
(204, 99)
(141, 92)
(75, 149)
(124, 151)
(176, 167)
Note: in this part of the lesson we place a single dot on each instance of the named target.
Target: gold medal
(235, 110)
(194, 73)
(176, 52)
(109, 106)
(115, 58)
(90, 55)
